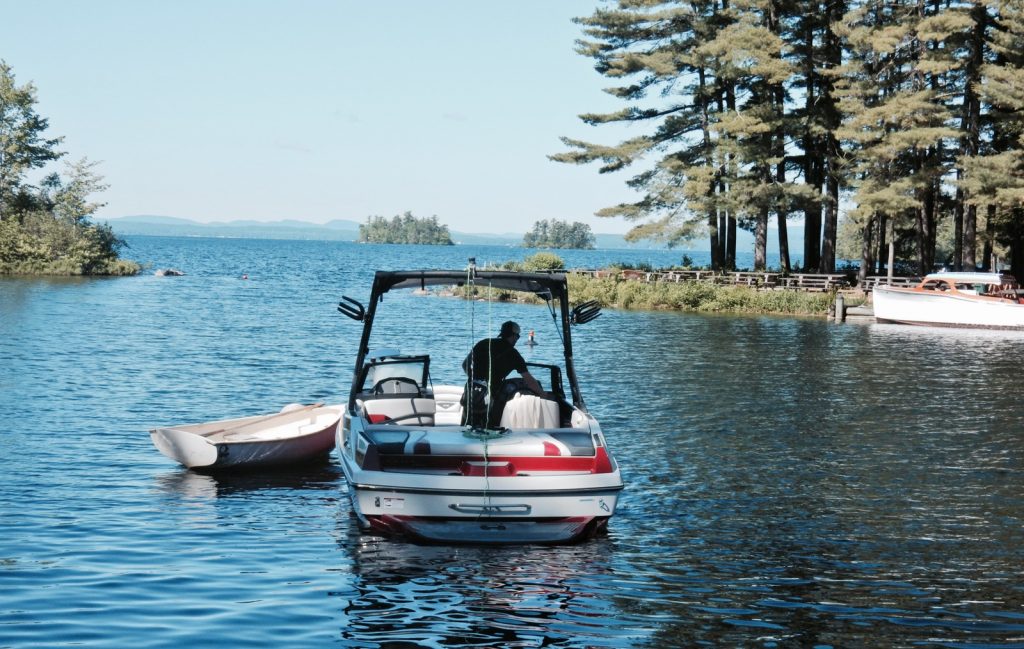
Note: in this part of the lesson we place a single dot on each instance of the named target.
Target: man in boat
(491, 360)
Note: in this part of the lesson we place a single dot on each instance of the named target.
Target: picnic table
(815, 281)
(758, 279)
(874, 280)
(684, 275)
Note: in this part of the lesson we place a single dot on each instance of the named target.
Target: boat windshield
(411, 370)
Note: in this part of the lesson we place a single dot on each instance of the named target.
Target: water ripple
(789, 482)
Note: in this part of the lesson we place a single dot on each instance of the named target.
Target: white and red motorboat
(985, 300)
(545, 475)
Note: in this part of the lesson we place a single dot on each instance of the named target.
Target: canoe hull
(268, 440)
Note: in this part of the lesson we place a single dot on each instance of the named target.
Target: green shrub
(695, 296)
(543, 261)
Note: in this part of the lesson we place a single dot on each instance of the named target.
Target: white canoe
(296, 434)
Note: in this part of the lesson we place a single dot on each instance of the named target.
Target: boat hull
(267, 440)
(519, 513)
(910, 306)
(444, 485)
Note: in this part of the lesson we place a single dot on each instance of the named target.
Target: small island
(47, 229)
(554, 233)
(406, 229)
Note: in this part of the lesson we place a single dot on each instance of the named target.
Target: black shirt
(498, 355)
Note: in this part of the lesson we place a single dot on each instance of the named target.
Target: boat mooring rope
(483, 434)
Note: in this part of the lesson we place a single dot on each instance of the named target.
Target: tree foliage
(22, 145)
(404, 229)
(750, 109)
(554, 233)
(47, 229)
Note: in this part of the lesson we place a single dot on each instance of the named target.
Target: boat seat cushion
(399, 409)
(529, 411)
(448, 405)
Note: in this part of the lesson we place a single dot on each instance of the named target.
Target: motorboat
(953, 299)
(415, 469)
(298, 433)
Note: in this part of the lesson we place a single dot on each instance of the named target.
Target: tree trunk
(716, 259)
(730, 252)
(783, 244)
(970, 245)
(833, 57)
(958, 227)
(827, 263)
(813, 153)
(761, 239)
(1017, 243)
(883, 224)
(866, 261)
(970, 126)
(990, 233)
(922, 241)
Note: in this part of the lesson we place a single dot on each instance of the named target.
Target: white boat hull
(910, 306)
(280, 438)
(491, 516)
(548, 499)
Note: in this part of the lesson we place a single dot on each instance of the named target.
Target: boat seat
(448, 405)
(527, 411)
(399, 409)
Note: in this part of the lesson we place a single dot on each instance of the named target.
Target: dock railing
(761, 280)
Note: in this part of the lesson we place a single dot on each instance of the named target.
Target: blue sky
(318, 110)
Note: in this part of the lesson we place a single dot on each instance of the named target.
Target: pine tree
(894, 122)
(994, 177)
(649, 49)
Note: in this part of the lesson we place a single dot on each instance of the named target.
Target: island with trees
(554, 233)
(405, 228)
(46, 229)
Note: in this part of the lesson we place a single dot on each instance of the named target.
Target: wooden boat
(985, 300)
(544, 475)
(296, 434)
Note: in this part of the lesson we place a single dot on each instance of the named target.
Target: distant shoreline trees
(406, 229)
(46, 230)
(559, 234)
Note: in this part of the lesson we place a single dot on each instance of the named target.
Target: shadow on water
(191, 484)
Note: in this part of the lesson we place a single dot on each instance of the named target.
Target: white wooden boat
(544, 475)
(296, 434)
(987, 300)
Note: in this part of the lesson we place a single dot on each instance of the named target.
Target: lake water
(790, 482)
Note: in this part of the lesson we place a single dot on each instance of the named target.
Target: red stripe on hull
(496, 465)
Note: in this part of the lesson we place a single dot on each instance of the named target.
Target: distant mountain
(343, 230)
(170, 226)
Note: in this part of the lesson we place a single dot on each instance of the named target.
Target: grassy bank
(703, 297)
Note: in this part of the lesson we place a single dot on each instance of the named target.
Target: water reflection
(192, 485)
(435, 596)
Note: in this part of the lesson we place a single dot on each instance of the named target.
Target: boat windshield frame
(549, 286)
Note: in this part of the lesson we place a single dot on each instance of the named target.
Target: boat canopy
(545, 285)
